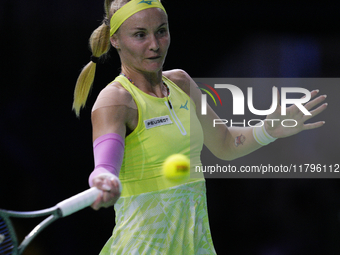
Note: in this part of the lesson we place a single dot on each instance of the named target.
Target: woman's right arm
(111, 115)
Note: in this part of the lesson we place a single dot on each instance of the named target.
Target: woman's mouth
(154, 57)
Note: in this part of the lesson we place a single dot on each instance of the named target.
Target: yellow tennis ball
(176, 167)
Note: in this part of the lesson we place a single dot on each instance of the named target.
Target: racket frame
(62, 209)
(53, 212)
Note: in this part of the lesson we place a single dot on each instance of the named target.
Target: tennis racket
(8, 240)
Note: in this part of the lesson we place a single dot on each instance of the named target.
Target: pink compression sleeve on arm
(108, 151)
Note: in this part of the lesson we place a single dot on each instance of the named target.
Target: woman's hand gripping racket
(8, 240)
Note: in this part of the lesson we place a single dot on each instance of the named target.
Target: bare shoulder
(183, 80)
(115, 91)
(114, 111)
(114, 94)
(180, 78)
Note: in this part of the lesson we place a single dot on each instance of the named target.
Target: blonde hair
(99, 43)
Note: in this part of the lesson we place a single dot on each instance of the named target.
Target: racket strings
(6, 242)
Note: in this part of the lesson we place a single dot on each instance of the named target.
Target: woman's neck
(150, 83)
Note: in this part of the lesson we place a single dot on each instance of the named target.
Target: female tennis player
(138, 122)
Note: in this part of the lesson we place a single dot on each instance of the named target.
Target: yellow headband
(129, 9)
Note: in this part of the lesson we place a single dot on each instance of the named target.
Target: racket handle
(78, 202)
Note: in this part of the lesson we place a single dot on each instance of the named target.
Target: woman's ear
(114, 41)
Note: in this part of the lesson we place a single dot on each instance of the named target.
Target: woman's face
(143, 40)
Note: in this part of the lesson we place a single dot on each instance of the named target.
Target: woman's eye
(162, 31)
(139, 35)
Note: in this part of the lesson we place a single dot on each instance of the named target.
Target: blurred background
(46, 152)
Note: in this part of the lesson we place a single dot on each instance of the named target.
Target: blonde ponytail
(99, 45)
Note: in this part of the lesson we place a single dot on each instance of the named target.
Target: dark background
(46, 152)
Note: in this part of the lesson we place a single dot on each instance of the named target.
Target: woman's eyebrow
(163, 24)
(143, 29)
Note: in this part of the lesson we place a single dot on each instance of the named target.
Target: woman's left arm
(229, 143)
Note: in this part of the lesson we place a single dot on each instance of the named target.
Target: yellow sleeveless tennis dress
(153, 214)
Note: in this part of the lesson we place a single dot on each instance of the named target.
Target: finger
(317, 111)
(107, 185)
(97, 202)
(310, 126)
(97, 182)
(315, 102)
(313, 93)
(107, 197)
(101, 185)
(111, 186)
(116, 185)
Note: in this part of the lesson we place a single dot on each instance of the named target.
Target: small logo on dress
(184, 106)
(147, 2)
(159, 121)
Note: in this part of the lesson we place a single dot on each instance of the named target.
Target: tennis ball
(176, 167)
